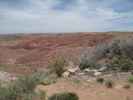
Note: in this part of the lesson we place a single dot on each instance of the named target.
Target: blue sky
(35, 16)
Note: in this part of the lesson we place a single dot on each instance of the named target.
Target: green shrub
(114, 48)
(126, 86)
(42, 95)
(118, 53)
(21, 89)
(106, 50)
(48, 80)
(13, 93)
(8, 93)
(64, 96)
(130, 79)
(86, 62)
(121, 63)
(101, 51)
(30, 96)
(27, 84)
(127, 47)
(58, 66)
(100, 80)
(109, 83)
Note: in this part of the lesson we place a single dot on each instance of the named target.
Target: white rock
(73, 70)
(5, 76)
(119, 87)
(87, 70)
(94, 70)
(102, 68)
(71, 64)
(97, 73)
(91, 80)
(81, 73)
(66, 74)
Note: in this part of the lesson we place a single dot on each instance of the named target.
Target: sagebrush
(64, 96)
(57, 66)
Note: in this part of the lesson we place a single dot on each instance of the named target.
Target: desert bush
(27, 84)
(8, 93)
(87, 62)
(114, 48)
(109, 83)
(42, 95)
(58, 66)
(21, 89)
(126, 86)
(64, 96)
(130, 79)
(101, 51)
(121, 63)
(13, 93)
(122, 47)
(127, 47)
(107, 50)
(48, 80)
(118, 53)
(30, 96)
(100, 80)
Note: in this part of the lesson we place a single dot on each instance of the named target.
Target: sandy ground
(89, 91)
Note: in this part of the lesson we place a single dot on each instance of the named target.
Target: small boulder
(73, 70)
(91, 80)
(81, 74)
(97, 73)
(87, 70)
(102, 68)
(66, 74)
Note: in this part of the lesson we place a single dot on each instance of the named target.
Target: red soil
(38, 50)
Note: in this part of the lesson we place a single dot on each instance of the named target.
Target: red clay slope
(43, 47)
(37, 50)
(55, 41)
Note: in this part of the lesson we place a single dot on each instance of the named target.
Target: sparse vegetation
(121, 63)
(21, 89)
(64, 96)
(42, 95)
(127, 47)
(100, 51)
(14, 92)
(58, 66)
(118, 53)
(109, 83)
(100, 80)
(130, 79)
(87, 63)
(77, 81)
(7, 94)
(48, 80)
(10, 38)
(126, 86)
(27, 84)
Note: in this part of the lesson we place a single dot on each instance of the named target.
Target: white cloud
(39, 17)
